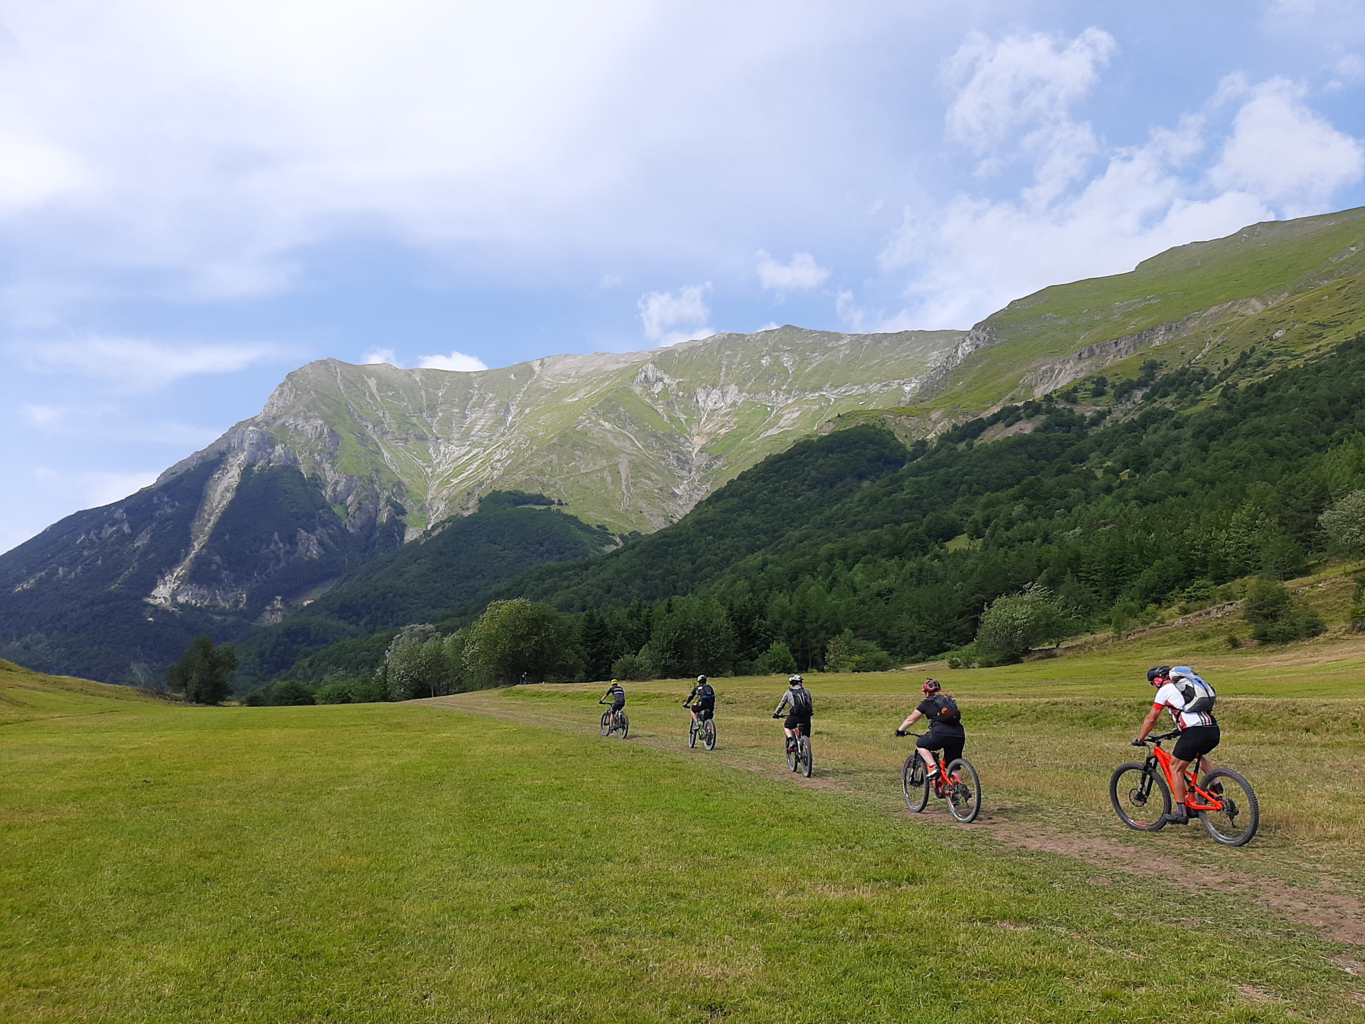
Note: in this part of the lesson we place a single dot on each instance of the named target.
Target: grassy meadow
(490, 857)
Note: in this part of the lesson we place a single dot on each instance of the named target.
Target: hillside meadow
(490, 857)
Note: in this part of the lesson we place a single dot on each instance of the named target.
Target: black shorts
(1195, 742)
(615, 708)
(703, 713)
(950, 741)
(793, 720)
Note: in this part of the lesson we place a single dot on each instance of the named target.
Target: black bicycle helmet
(1158, 672)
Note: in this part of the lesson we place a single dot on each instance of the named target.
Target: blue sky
(196, 198)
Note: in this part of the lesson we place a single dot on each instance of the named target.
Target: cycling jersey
(1170, 698)
(618, 696)
(930, 708)
(704, 695)
(802, 703)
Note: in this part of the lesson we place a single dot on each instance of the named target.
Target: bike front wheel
(805, 756)
(624, 724)
(915, 782)
(792, 761)
(692, 734)
(1140, 797)
(708, 738)
(964, 791)
(1237, 820)
(606, 723)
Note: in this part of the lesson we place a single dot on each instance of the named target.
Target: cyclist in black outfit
(618, 698)
(945, 726)
(705, 696)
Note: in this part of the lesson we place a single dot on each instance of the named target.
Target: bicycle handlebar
(1157, 739)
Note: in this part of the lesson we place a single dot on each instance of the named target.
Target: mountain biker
(705, 696)
(802, 707)
(618, 698)
(945, 726)
(1177, 689)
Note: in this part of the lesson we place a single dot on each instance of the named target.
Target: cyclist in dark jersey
(705, 696)
(618, 698)
(945, 726)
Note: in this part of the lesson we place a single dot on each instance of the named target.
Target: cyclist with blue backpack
(945, 726)
(1190, 700)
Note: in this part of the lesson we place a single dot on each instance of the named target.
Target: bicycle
(956, 782)
(614, 720)
(706, 729)
(799, 753)
(1230, 812)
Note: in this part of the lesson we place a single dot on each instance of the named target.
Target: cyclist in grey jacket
(802, 706)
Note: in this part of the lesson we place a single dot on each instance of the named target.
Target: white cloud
(136, 364)
(455, 361)
(109, 422)
(972, 256)
(800, 274)
(1022, 85)
(669, 319)
(381, 355)
(1285, 154)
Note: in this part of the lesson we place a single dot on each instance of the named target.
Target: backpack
(947, 712)
(1198, 695)
(706, 692)
(802, 701)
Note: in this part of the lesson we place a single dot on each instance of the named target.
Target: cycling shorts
(950, 741)
(793, 720)
(618, 705)
(1195, 742)
(704, 712)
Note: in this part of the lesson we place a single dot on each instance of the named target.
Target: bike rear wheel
(1140, 797)
(792, 763)
(624, 724)
(606, 723)
(1236, 823)
(915, 782)
(692, 734)
(708, 737)
(964, 791)
(803, 753)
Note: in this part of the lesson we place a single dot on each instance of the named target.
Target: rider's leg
(929, 761)
(1178, 782)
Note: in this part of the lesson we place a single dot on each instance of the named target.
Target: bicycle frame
(1212, 802)
(615, 715)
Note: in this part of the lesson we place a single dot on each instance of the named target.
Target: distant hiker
(945, 726)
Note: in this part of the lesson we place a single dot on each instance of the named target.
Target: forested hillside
(1195, 479)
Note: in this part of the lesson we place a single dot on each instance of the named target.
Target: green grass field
(490, 857)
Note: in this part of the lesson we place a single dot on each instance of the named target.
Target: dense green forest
(1200, 478)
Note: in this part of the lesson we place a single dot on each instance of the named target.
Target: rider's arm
(914, 717)
(786, 699)
(1149, 721)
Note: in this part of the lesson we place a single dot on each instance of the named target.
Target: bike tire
(964, 791)
(708, 738)
(606, 723)
(692, 734)
(1131, 794)
(1238, 827)
(805, 756)
(792, 762)
(915, 782)
(625, 725)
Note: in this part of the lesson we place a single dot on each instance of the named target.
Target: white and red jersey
(1170, 698)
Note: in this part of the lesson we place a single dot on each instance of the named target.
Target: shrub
(1013, 626)
(846, 653)
(290, 693)
(1344, 522)
(1276, 617)
(335, 693)
(634, 667)
(204, 674)
(964, 657)
(777, 660)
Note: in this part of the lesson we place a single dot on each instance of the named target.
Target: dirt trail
(1337, 917)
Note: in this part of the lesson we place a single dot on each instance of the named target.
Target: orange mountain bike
(1224, 801)
(957, 783)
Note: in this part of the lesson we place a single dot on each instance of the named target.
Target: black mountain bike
(614, 721)
(799, 757)
(706, 729)
(957, 783)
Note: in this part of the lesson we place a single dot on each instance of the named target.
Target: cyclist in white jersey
(1177, 689)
